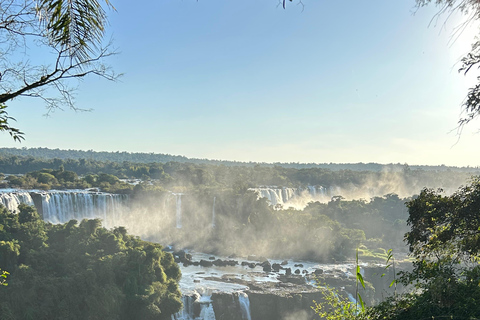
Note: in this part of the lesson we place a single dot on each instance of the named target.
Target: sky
(327, 81)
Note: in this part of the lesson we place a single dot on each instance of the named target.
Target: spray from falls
(178, 214)
(213, 213)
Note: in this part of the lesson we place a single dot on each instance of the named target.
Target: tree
(444, 241)
(470, 8)
(71, 31)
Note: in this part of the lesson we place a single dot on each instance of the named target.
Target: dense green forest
(82, 271)
(120, 157)
(444, 243)
(188, 176)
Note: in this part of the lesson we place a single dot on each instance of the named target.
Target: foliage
(15, 133)
(3, 276)
(470, 8)
(335, 306)
(82, 271)
(150, 158)
(444, 241)
(69, 32)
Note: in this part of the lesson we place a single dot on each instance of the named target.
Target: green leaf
(360, 277)
(361, 302)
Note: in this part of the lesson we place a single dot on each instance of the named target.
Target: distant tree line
(190, 175)
(120, 157)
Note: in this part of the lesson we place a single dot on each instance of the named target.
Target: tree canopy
(82, 271)
(444, 241)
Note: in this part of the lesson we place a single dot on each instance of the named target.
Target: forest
(79, 270)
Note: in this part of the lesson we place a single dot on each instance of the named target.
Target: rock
(211, 258)
(206, 263)
(267, 267)
(318, 272)
(276, 267)
(288, 271)
(224, 263)
(182, 256)
(284, 262)
(299, 265)
(297, 271)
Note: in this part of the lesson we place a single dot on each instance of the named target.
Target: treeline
(189, 175)
(120, 157)
(47, 179)
(82, 271)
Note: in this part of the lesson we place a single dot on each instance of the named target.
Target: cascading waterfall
(298, 197)
(12, 199)
(244, 303)
(62, 206)
(187, 312)
(178, 213)
(204, 308)
(213, 213)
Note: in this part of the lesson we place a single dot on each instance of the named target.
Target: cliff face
(268, 303)
(293, 305)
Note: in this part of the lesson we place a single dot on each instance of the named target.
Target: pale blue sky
(340, 81)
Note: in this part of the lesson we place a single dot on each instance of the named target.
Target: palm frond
(75, 27)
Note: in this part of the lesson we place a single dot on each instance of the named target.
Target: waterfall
(195, 307)
(12, 199)
(213, 213)
(295, 197)
(186, 313)
(63, 206)
(178, 213)
(244, 303)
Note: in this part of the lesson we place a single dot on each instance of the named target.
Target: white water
(11, 199)
(294, 197)
(204, 302)
(244, 302)
(63, 206)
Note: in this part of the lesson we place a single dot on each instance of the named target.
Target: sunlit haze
(332, 81)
